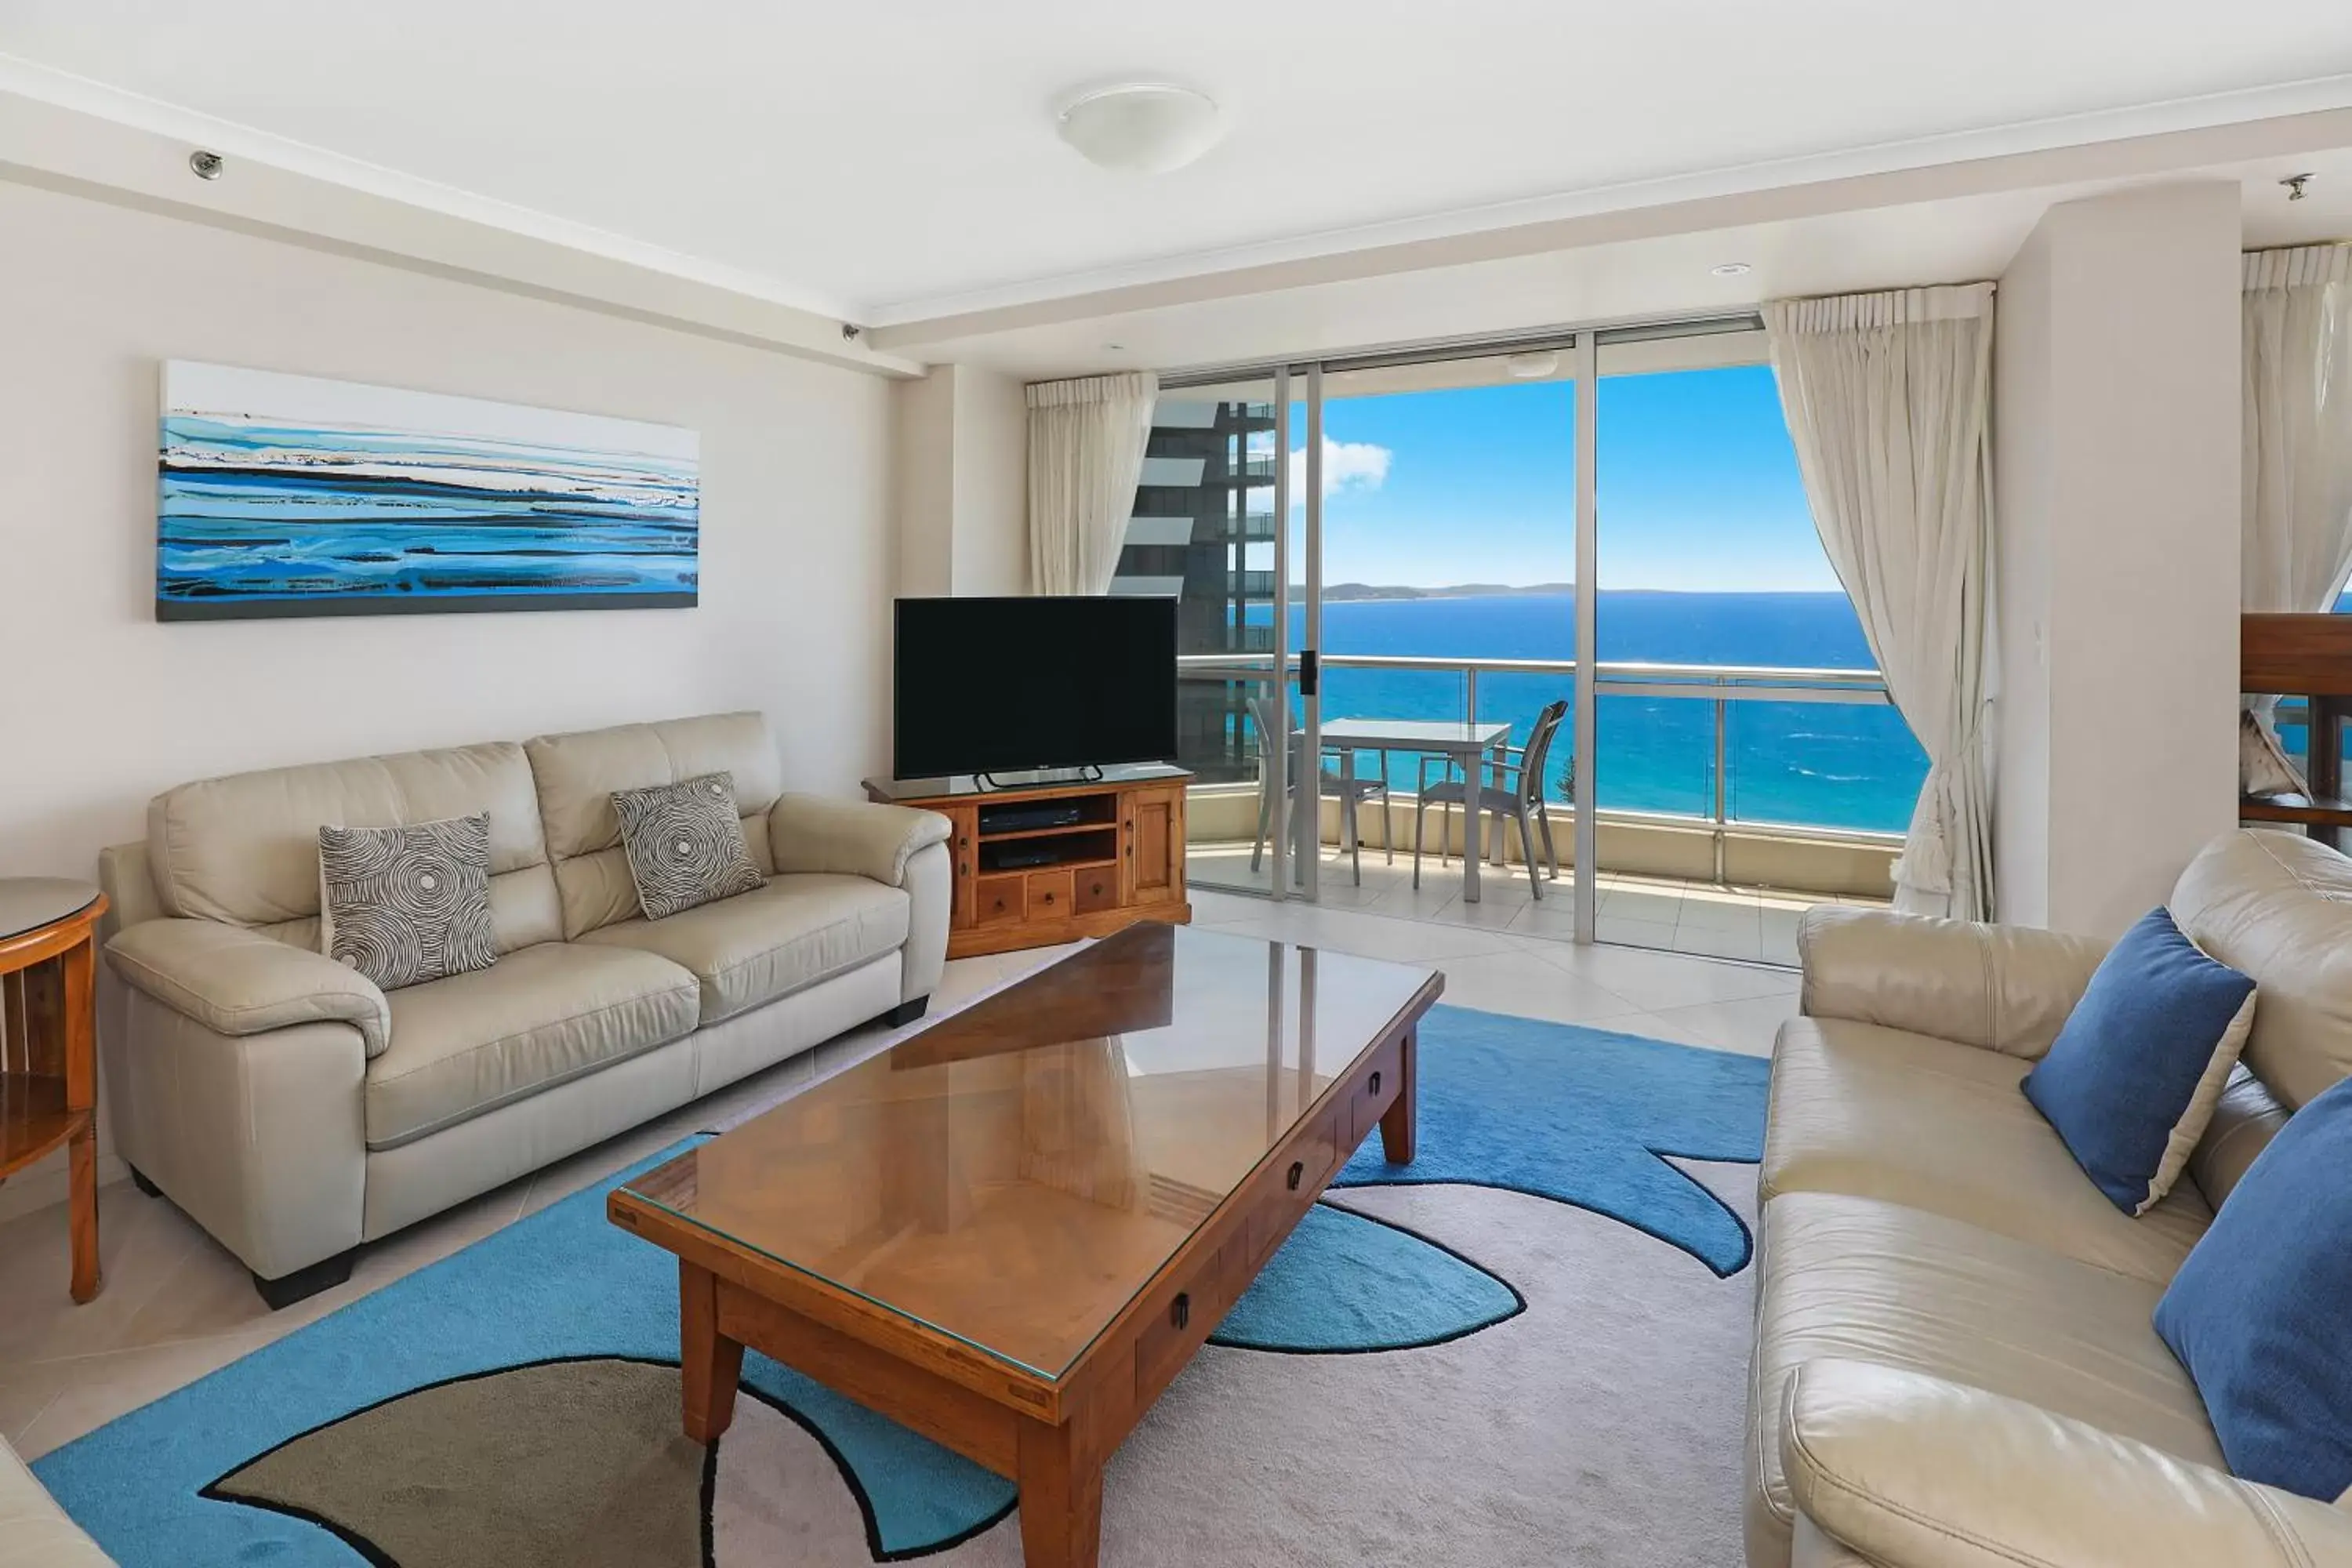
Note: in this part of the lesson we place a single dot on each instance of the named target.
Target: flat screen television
(997, 685)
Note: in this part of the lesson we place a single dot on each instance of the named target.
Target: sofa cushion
(1882, 1113)
(577, 776)
(467, 1044)
(2278, 906)
(1865, 1280)
(2262, 1312)
(2245, 1120)
(245, 849)
(2132, 1079)
(757, 946)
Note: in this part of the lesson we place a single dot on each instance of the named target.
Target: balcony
(1710, 876)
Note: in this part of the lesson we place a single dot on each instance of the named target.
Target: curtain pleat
(1086, 455)
(2296, 477)
(1888, 398)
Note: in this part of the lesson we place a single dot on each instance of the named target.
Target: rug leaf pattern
(1585, 1117)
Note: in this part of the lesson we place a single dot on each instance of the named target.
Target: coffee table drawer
(1376, 1089)
(1291, 1184)
(1181, 1321)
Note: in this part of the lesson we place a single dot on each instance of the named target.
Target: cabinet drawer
(1049, 895)
(998, 900)
(1096, 888)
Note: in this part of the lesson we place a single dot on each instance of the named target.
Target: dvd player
(1024, 818)
(1022, 856)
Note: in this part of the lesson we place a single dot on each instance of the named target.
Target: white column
(2116, 453)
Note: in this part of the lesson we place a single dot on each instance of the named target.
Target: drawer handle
(1376, 1083)
(1297, 1174)
(1180, 1312)
(1049, 898)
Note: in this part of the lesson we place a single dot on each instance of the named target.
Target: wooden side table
(48, 1044)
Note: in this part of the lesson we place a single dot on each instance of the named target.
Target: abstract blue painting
(284, 495)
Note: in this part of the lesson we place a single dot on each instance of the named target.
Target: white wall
(2116, 448)
(100, 706)
(961, 484)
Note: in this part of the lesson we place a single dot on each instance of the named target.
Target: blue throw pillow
(2262, 1312)
(2132, 1079)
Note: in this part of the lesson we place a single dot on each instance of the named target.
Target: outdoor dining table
(1466, 743)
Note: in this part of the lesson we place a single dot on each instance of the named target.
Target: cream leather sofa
(34, 1532)
(1955, 1363)
(295, 1110)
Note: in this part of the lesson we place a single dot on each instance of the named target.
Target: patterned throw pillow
(405, 905)
(685, 844)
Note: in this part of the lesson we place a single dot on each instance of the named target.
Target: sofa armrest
(855, 838)
(237, 982)
(2002, 988)
(1910, 1471)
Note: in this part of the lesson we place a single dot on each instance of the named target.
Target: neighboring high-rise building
(1202, 531)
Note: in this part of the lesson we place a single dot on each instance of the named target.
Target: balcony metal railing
(1718, 685)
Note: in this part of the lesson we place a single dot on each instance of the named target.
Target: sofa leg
(139, 1179)
(304, 1283)
(906, 1012)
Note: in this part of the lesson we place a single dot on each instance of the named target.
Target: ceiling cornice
(130, 151)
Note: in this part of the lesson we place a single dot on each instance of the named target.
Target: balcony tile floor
(1670, 914)
(177, 1305)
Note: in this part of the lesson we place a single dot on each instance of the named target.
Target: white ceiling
(889, 162)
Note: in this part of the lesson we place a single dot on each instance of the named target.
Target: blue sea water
(1814, 763)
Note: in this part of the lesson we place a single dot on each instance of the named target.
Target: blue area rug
(1578, 1116)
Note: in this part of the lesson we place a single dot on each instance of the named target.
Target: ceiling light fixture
(1532, 364)
(2295, 183)
(1732, 270)
(1140, 127)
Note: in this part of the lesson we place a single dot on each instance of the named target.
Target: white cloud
(1347, 465)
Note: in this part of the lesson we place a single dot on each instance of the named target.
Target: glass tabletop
(1015, 1173)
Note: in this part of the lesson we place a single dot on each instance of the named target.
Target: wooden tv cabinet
(1014, 887)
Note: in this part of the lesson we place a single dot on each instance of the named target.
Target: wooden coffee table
(1011, 1231)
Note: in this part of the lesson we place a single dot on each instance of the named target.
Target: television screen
(988, 686)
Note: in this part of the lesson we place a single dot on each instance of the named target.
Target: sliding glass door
(1567, 588)
(1749, 763)
(1214, 528)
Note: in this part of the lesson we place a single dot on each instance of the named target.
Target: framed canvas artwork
(284, 495)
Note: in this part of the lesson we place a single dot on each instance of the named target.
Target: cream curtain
(1888, 397)
(1086, 452)
(2297, 472)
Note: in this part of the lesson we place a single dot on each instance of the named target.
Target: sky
(1697, 485)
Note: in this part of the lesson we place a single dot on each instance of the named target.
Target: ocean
(1808, 764)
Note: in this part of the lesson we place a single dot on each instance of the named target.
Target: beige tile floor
(177, 1305)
